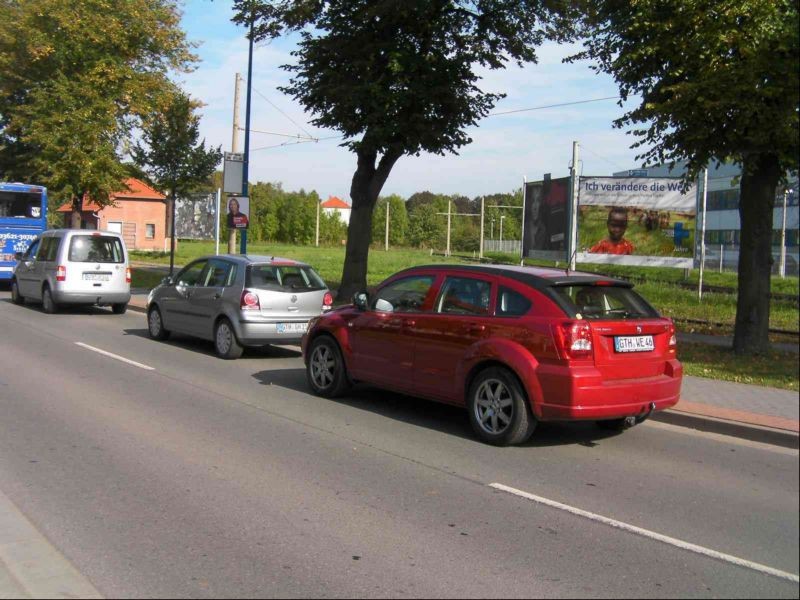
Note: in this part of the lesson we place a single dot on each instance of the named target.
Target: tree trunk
(75, 215)
(760, 176)
(364, 189)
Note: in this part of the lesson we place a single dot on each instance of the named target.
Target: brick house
(138, 213)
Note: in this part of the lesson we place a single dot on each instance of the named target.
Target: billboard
(637, 221)
(544, 231)
(196, 217)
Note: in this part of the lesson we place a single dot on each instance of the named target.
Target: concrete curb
(747, 431)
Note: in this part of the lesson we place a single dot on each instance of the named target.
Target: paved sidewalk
(749, 411)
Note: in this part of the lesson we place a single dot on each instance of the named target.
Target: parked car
(238, 301)
(514, 345)
(74, 266)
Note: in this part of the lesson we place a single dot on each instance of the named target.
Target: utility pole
(234, 149)
(573, 222)
(501, 231)
(246, 169)
(317, 229)
(449, 212)
(703, 236)
(483, 214)
(782, 264)
(387, 224)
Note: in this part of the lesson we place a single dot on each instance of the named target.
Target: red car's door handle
(475, 329)
(409, 322)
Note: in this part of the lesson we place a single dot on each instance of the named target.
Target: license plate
(634, 343)
(291, 327)
(96, 276)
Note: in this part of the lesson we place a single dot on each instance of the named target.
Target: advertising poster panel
(545, 227)
(636, 221)
(238, 212)
(195, 216)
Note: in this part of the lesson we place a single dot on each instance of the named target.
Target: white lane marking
(117, 357)
(649, 534)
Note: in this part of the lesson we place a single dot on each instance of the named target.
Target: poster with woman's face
(238, 212)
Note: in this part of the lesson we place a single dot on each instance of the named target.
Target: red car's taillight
(249, 301)
(61, 273)
(327, 301)
(673, 338)
(573, 339)
(128, 275)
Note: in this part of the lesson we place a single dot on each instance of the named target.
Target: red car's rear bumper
(571, 394)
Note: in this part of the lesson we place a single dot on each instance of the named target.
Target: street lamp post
(491, 235)
(246, 166)
(501, 232)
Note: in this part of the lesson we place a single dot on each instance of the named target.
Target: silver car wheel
(154, 322)
(323, 366)
(494, 406)
(224, 338)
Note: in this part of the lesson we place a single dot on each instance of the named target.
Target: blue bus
(23, 216)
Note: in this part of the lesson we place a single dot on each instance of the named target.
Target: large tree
(398, 77)
(76, 76)
(172, 157)
(718, 80)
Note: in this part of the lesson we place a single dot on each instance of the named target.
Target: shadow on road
(205, 347)
(443, 418)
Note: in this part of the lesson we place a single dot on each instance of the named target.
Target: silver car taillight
(249, 301)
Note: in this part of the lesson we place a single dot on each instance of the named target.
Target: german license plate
(634, 343)
(96, 276)
(291, 327)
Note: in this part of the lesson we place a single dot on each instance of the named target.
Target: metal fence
(721, 257)
(504, 246)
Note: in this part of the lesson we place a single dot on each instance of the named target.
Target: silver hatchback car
(237, 301)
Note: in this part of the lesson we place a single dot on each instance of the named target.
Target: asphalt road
(188, 476)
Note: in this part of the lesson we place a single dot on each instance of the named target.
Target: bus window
(21, 205)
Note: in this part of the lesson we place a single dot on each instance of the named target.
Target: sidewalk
(752, 412)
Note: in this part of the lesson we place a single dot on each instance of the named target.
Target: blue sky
(505, 148)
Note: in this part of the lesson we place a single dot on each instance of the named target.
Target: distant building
(337, 205)
(723, 228)
(138, 213)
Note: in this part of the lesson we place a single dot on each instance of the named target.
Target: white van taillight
(249, 301)
(61, 273)
(327, 301)
(128, 275)
(573, 339)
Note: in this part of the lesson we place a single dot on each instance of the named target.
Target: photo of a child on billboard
(636, 221)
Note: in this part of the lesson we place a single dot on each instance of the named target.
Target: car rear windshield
(96, 249)
(603, 302)
(285, 278)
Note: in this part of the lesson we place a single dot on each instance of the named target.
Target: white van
(74, 266)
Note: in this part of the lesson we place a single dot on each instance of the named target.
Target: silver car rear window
(286, 278)
(96, 249)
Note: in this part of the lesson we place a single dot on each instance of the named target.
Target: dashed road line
(115, 356)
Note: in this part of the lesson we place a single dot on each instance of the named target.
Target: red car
(515, 345)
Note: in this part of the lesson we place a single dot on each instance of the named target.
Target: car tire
(48, 304)
(155, 325)
(225, 343)
(326, 371)
(16, 297)
(120, 308)
(498, 408)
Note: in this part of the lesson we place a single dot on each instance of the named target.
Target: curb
(754, 433)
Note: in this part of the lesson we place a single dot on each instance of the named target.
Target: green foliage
(716, 80)
(169, 151)
(75, 78)
(398, 221)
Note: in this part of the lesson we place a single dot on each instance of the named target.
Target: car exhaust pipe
(643, 417)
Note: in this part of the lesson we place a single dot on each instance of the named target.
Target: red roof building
(337, 205)
(139, 213)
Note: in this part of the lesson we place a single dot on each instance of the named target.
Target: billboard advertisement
(545, 228)
(196, 216)
(238, 212)
(637, 221)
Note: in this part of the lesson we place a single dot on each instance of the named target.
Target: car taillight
(128, 275)
(61, 273)
(673, 338)
(249, 301)
(327, 301)
(574, 339)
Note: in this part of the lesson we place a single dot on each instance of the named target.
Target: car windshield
(96, 248)
(285, 278)
(603, 302)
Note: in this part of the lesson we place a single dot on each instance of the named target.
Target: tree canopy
(75, 77)
(398, 78)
